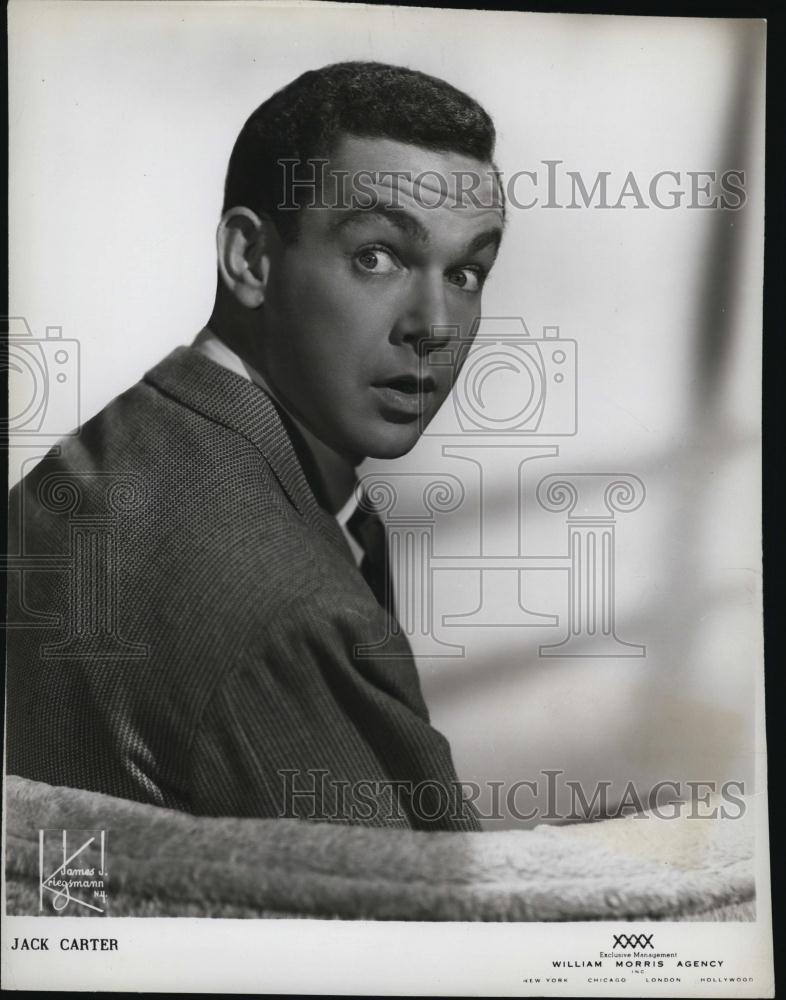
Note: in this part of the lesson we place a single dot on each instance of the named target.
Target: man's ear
(244, 243)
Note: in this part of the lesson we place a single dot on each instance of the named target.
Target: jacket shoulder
(196, 512)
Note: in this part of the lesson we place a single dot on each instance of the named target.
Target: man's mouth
(410, 384)
(405, 396)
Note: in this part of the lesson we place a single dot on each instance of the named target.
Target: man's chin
(391, 440)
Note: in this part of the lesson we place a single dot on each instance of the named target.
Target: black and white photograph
(384, 554)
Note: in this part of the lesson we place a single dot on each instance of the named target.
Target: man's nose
(425, 322)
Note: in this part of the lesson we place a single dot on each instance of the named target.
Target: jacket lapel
(227, 399)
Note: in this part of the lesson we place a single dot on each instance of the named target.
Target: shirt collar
(331, 466)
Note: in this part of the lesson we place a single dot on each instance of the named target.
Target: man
(216, 612)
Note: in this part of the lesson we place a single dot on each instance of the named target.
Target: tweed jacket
(186, 623)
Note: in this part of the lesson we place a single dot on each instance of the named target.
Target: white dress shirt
(331, 466)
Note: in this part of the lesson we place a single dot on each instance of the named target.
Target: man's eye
(467, 279)
(376, 260)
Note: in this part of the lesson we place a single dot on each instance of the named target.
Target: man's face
(350, 305)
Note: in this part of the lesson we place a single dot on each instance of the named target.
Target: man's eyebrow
(398, 217)
(490, 237)
(412, 227)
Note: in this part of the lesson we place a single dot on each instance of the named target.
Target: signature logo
(72, 871)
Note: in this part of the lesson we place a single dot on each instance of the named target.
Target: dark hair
(306, 118)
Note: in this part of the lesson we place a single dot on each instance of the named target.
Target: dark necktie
(367, 529)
